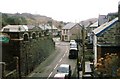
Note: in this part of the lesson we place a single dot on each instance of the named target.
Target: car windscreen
(73, 46)
(73, 51)
(63, 70)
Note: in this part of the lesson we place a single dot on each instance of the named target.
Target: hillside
(88, 21)
(35, 19)
(31, 19)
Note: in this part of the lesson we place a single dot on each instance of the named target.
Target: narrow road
(49, 67)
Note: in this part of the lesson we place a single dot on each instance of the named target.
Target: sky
(61, 10)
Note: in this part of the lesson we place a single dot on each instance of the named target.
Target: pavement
(87, 67)
(56, 40)
(87, 70)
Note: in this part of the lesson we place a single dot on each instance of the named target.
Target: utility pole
(78, 68)
(83, 51)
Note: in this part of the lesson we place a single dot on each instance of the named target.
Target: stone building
(23, 51)
(71, 31)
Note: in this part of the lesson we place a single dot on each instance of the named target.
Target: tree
(13, 20)
(50, 23)
(108, 65)
(4, 19)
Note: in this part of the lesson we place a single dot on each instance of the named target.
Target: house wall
(109, 36)
(102, 50)
(34, 52)
(90, 35)
(31, 53)
(102, 19)
(118, 28)
(75, 32)
(65, 35)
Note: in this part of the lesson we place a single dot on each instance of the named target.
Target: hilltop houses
(47, 29)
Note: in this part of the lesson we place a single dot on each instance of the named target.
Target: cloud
(66, 10)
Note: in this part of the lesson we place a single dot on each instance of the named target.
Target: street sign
(4, 39)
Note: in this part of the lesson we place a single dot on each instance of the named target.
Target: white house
(91, 28)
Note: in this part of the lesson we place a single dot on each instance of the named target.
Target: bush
(108, 65)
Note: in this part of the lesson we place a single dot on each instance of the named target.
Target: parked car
(60, 76)
(65, 69)
(73, 44)
(73, 53)
(72, 41)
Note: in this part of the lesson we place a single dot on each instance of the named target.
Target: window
(40, 34)
(34, 36)
(66, 31)
(65, 36)
(25, 37)
(6, 29)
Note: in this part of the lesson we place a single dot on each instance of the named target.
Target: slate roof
(104, 27)
(102, 19)
(30, 27)
(69, 26)
(94, 24)
(45, 27)
(53, 27)
(14, 28)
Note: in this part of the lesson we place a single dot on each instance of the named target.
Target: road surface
(48, 68)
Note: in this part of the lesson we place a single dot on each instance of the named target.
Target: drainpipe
(95, 48)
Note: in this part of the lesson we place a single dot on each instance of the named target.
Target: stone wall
(31, 53)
